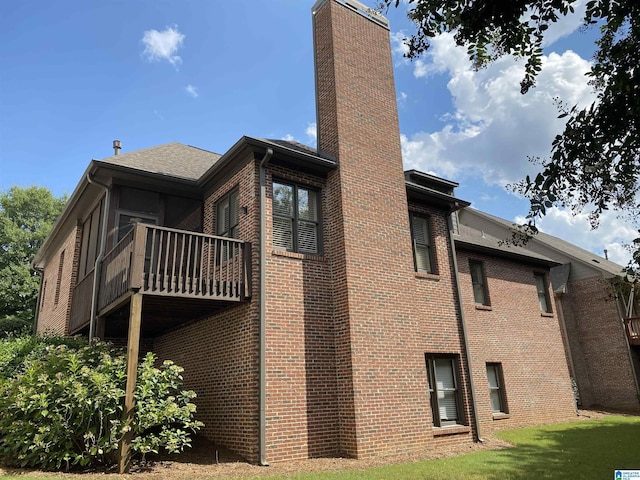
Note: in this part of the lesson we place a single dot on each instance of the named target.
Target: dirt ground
(200, 462)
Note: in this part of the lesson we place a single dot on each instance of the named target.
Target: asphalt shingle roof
(172, 159)
(567, 248)
(478, 238)
(300, 147)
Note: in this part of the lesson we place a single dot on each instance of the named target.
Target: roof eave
(510, 255)
(36, 263)
(424, 193)
(297, 158)
(605, 271)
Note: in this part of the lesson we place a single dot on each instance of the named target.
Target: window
(422, 244)
(543, 292)
(478, 279)
(227, 215)
(296, 218)
(496, 389)
(59, 280)
(446, 400)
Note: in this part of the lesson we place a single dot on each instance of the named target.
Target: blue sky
(75, 75)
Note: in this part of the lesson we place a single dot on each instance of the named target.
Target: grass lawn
(590, 449)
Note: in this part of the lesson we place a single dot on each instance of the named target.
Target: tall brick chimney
(369, 244)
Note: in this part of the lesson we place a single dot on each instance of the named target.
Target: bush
(15, 351)
(65, 408)
(14, 326)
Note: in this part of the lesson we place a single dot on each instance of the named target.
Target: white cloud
(612, 234)
(289, 138)
(163, 45)
(312, 133)
(567, 24)
(193, 91)
(493, 128)
(398, 44)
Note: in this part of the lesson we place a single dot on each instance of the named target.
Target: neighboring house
(591, 298)
(323, 302)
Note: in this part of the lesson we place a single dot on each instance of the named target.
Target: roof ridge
(199, 148)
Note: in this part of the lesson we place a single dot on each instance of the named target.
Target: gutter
(262, 298)
(97, 267)
(567, 343)
(463, 324)
(40, 273)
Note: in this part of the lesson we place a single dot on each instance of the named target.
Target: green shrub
(16, 350)
(65, 408)
(14, 326)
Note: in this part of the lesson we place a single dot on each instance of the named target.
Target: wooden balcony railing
(168, 262)
(632, 325)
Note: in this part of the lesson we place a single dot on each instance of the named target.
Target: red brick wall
(220, 353)
(383, 324)
(598, 345)
(54, 317)
(302, 408)
(435, 326)
(528, 344)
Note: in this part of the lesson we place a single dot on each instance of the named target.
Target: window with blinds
(543, 295)
(227, 218)
(479, 282)
(496, 389)
(444, 391)
(296, 218)
(423, 254)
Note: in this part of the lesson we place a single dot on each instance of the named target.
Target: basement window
(444, 390)
(496, 388)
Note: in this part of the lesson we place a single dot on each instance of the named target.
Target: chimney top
(116, 147)
(371, 13)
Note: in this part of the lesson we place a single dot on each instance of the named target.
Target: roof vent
(116, 147)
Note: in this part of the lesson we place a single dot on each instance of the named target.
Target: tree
(594, 163)
(26, 217)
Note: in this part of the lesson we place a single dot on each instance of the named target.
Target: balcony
(183, 276)
(632, 326)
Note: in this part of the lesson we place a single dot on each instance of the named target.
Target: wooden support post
(133, 346)
(100, 327)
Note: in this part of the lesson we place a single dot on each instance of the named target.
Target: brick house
(601, 330)
(322, 301)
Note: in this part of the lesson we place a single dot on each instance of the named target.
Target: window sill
(501, 416)
(299, 256)
(483, 307)
(450, 430)
(427, 276)
(546, 314)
